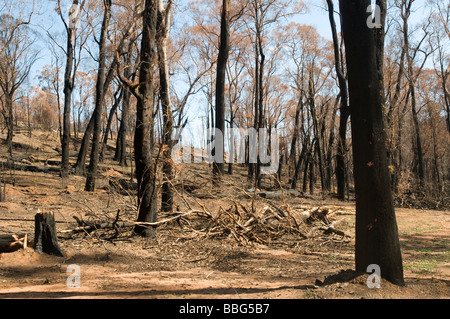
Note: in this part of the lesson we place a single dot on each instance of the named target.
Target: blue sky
(316, 16)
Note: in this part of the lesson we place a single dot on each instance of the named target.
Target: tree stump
(45, 238)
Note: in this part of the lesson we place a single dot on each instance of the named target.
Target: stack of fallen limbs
(269, 225)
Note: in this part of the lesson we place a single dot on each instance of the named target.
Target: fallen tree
(13, 242)
(29, 168)
(45, 238)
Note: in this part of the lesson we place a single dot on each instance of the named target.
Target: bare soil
(180, 265)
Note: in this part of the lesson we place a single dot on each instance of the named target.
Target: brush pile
(269, 225)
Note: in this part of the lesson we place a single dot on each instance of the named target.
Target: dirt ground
(174, 265)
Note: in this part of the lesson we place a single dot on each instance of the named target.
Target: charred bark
(341, 169)
(376, 240)
(143, 146)
(45, 237)
(224, 48)
(99, 101)
(163, 28)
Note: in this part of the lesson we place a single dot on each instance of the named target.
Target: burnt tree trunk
(45, 239)
(376, 233)
(99, 101)
(260, 102)
(121, 144)
(68, 89)
(224, 48)
(341, 170)
(419, 166)
(166, 105)
(117, 100)
(293, 153)
(143, 146)
(318, 149)
(9, 122)
(252, 166)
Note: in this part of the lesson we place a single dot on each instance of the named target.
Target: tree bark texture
(376, 240)
(224, 48)
(166, 105)
(143, 146)
(99, 101)
(341, 168)
(68, 89)
(45, 238)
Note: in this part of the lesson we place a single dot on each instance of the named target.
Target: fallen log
(13, 242)
(88, 226)
(19, 158)
(29, 168)
(279, 194)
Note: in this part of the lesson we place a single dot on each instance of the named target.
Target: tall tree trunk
(298, 167)
(341, 170)
(224, 48)
(121, 143)
(303, 155)
(162, 34)
(394, 104)
(143, 146)
(376, 240)
(436, 172)
(99, 101)
(252, 166)
(318, 142)
(260, 100)
(9, 121)
(293, 154)
(398, 154)
(68, 89)
(419, 166)
(444, 76)
(232, 146)
(331, 139)
(417, 145)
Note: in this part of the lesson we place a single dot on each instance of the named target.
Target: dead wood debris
(270, 225)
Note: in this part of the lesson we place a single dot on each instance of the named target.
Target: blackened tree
(376, 235)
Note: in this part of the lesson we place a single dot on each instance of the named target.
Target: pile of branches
(268, 225)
